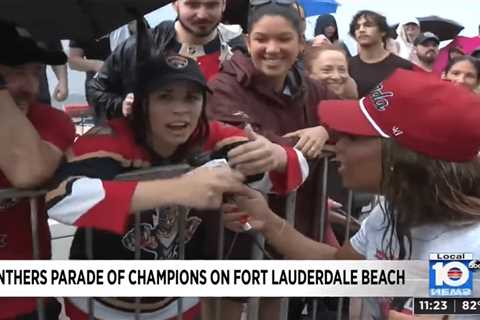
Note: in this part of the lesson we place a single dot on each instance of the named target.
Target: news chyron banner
(445, 275)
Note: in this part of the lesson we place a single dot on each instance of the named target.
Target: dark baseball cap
(426, 36)
(20, 48)
(162, 69)
(476, 53)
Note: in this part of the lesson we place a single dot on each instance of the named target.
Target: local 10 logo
(451, 274)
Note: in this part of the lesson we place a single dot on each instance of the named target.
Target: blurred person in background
(60, 92)
(374, 62)
(326, 25)
(426, 50)
(196, 33)
(476, 53)
(464, 71)
(454, 52)
(88, 57)
(329, 64)
(407, 32)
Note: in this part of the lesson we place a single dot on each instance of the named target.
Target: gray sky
(465, 12)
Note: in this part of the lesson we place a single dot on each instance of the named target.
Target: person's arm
(85, 193)
(286, 167)
(106, 91)
(78, 61)
(27, 160)
(61, 89)
(278, 233)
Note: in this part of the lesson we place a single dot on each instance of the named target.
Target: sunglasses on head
(257, 3)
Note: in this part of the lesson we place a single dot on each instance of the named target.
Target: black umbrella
(445, 29)
(74, 19)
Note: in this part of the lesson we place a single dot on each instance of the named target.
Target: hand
(203, 188)
(259, 155)
(310, 140)
(98, 65)
(61, 91)
(127, 105)
(320, 40)
(251, 207)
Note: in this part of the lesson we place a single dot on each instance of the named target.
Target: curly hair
(420, 190)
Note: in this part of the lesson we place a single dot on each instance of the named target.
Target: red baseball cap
(420, 111)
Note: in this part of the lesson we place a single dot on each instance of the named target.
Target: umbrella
(467, 44)
(318, 7)
(74, 19)
(445, 29)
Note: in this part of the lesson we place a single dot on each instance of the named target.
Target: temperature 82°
(467, 306)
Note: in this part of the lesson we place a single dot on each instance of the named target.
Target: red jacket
(56, 128)
(242, 95)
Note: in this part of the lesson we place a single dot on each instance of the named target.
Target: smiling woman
(329, 64)
(267, 89)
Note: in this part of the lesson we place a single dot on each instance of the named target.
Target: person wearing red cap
(414, 139)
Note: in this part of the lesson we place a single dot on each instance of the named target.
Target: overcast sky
(465, 12)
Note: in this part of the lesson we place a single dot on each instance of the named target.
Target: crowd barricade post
(323, 214)
(345, 239)
(169, 172)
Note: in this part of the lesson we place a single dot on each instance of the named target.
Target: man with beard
(197, 33)
(374, 63)
(33, 138)
(426, 50)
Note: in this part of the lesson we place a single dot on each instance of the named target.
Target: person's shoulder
(163, 26)
(376, 219)
(355, 59)
(115, 136)
(40, 112)
(355, 62)
(400, 62)
(53, 125)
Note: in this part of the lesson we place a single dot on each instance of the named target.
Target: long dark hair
(475, 62)
(288, 12)
(140, 120)
(419, 190)
(323, 22)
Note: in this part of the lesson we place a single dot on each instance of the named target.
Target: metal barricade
(169, 172)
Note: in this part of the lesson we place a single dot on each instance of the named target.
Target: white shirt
(369, 241)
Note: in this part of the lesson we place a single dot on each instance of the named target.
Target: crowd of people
(269, 103)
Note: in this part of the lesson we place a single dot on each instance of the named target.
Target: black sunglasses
(257, 3)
